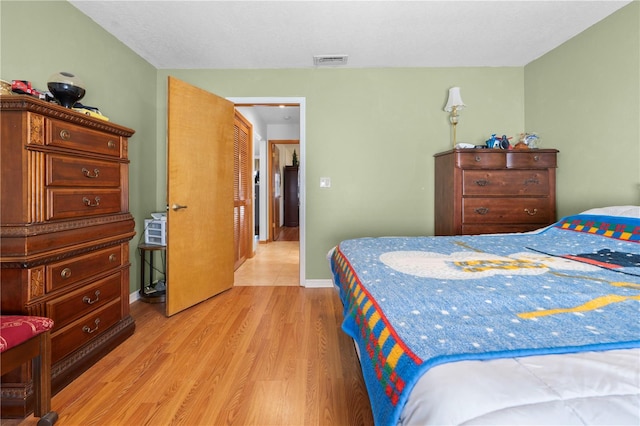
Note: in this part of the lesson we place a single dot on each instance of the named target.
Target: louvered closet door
(242, 189)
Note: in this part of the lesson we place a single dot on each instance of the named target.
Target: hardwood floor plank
(249, 356)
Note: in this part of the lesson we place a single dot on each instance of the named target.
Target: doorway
(284, 203)
(261, 140)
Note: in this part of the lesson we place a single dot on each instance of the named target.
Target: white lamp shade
(454, 100)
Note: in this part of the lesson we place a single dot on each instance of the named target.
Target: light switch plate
(325, 182)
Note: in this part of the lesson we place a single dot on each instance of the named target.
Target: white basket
(155, 232)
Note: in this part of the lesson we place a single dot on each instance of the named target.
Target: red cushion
(16, 329)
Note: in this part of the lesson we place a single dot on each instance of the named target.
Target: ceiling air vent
(329, 60)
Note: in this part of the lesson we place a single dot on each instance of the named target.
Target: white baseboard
(318, 283)
(134, 296)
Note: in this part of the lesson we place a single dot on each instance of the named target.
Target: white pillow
(628, 211)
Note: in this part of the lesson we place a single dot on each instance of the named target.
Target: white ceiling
(274, 114)
(210, 34)
(287, 34)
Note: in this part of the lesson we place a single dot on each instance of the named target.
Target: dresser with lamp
(483, 191)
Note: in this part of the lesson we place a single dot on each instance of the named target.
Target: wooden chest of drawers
(64, 235)
(481, 191)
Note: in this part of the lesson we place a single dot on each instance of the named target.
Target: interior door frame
(273, 191)
(271, 143)
(301, 102)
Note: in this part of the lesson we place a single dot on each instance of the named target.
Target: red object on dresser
(24, 339)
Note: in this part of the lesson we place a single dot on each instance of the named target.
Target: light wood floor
(276, 263)
(254, 355)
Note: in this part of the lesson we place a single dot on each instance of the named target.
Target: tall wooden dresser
(482, 191)
(64, 236)
(291, 198)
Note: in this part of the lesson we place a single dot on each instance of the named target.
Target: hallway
(275, 264)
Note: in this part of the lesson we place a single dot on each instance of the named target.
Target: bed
(531, 328)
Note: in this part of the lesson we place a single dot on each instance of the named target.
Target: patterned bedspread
(416, 302)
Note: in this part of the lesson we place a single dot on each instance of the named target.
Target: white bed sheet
(589, 388)
(627, 211)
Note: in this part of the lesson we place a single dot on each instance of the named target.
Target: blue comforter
(416, 302)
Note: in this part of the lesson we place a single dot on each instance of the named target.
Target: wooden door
(274, 190)
(199, 194)
(242, 189)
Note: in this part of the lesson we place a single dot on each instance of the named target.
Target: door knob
(177, 207)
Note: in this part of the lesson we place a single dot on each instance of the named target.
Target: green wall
(584, 99)
(40, 38)
(373, 131)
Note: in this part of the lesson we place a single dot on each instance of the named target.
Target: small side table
(148, 293)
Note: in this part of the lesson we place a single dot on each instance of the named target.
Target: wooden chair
(24, 339)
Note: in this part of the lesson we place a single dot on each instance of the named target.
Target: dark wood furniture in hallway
(291, 196)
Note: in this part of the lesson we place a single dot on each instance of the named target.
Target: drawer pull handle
(482, 210)
(478, 158)
(536, 158)
(65, 135)
(533, 181)
(66, 273)
(113, 257)
(482, 182)
(530, 212)
(89, 301)
(87, 173)
(111, 145)
(90, 330)
(87, 202)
